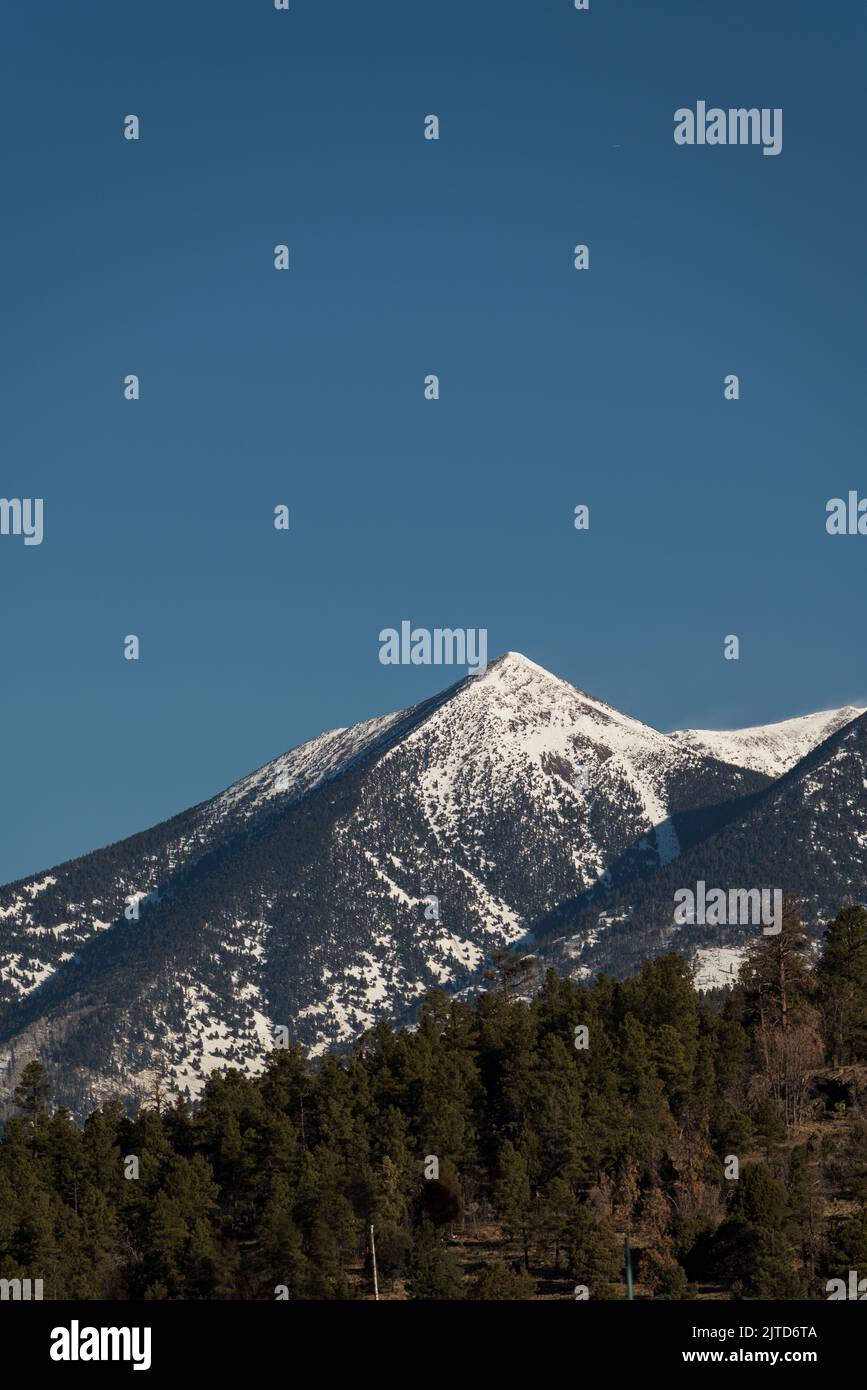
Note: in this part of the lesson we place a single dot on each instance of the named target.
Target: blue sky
(305, 387)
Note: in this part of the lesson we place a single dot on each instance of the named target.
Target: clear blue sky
(410, 257)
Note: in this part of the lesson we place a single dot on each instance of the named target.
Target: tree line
(500, 1149)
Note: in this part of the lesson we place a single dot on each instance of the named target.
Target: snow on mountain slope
(768, 748)
(301, 895)
(518, 725)
(66, 919)
(804, 834)
(302, 768)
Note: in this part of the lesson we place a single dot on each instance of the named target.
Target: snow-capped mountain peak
(344, 878)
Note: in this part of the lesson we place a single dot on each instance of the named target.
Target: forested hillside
(498, 1150)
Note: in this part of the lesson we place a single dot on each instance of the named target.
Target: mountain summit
(339, 882)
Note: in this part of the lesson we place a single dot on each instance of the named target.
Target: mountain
(341, 881)
(804, 834)
(768, 748)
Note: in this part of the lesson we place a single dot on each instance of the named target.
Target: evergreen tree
(32, 1095)
(274, 1182)
(512, 1197)
(842, 972)
(594, 1255)
(498, 1281)
(779, 987)
(434, 1271)
(510, 969)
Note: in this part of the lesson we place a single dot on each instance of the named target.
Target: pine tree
(594, 1256)
(510, 969)
(498, 1281)
(805, 1204)
(779, 986)
(845, 1246)
(842, 972)
(776, 972)
(770, 1125)
(760, 1199)
(32, 1095)
(32, 1101)
(434, 1271)
(512, 1196)
(280, 1258)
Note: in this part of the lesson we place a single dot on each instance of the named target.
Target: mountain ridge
(343, 879)
(770, 748)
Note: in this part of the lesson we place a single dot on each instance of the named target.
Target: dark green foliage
(843, 975)
(434, 1271)
(33, 1093)
(498, 1281)
(845, 1246)
(486, 1116)
(769, 1125)
(594, 1255)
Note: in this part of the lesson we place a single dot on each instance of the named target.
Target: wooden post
(373, 1255)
